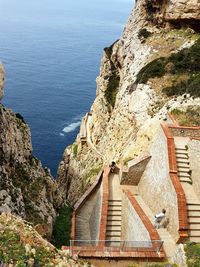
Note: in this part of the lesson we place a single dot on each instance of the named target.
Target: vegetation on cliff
(193, 254)
(189, 117)
(184, 68)
(62, 227)
(22, 246)
(113, 79)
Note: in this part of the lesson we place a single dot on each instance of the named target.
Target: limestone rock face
(182, 9)
(26, 188)
(126, 112)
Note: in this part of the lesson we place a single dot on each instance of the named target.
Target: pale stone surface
(179, 256)
(194, 156)
(155, 186)
(88, 217)
(133, 228)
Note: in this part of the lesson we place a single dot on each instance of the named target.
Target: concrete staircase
(183, 163)
(193, 203)
(113, 227)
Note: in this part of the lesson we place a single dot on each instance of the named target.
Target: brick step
(194, 220)
(113, 228)
(114, 218)
(113, 223)
(114, 213)
(195, 239)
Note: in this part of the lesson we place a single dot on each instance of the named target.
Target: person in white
(158, 218)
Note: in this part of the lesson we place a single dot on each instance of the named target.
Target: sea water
(51, 51)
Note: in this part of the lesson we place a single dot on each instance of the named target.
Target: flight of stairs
(113, 227)
(193, 203)
(193, 208)
(183, 164)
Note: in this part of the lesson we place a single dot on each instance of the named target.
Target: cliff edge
(26, 188)
(151, 70)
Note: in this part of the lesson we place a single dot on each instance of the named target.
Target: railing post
(70, 248)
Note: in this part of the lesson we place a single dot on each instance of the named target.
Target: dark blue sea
(51, 51)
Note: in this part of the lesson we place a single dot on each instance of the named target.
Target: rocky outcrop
(131, 100)
(21, 245)
(26, 188)
(175, 12)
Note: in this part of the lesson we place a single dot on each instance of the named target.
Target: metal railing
(76, 246)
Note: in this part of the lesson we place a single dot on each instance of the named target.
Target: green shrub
(62, 227)
(155, 68)
(112, 88)
(184, 62)
(75, 150)
(193, 254)
(144, 34)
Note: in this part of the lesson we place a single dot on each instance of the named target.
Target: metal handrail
(122, 245)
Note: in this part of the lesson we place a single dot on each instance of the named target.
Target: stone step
(112, 243)
(116, 201)
(180, 148)
(193, 202)
(183, 165)
(181, 152)
(113, 238)
(182, 160)
(194, 220)
(195, 239)
(185, 180)
(114, 208)
(183, 174)
(194, 232)
(114, 213)
(112, 234)
(113, 228)
(193, 226)
(182, 156)
(113, 223)
(183, 171)
(195, 207)
(114, 218)
(194, 213)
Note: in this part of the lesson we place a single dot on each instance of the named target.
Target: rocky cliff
(151, 70)
(26, 188)
(21, 245)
